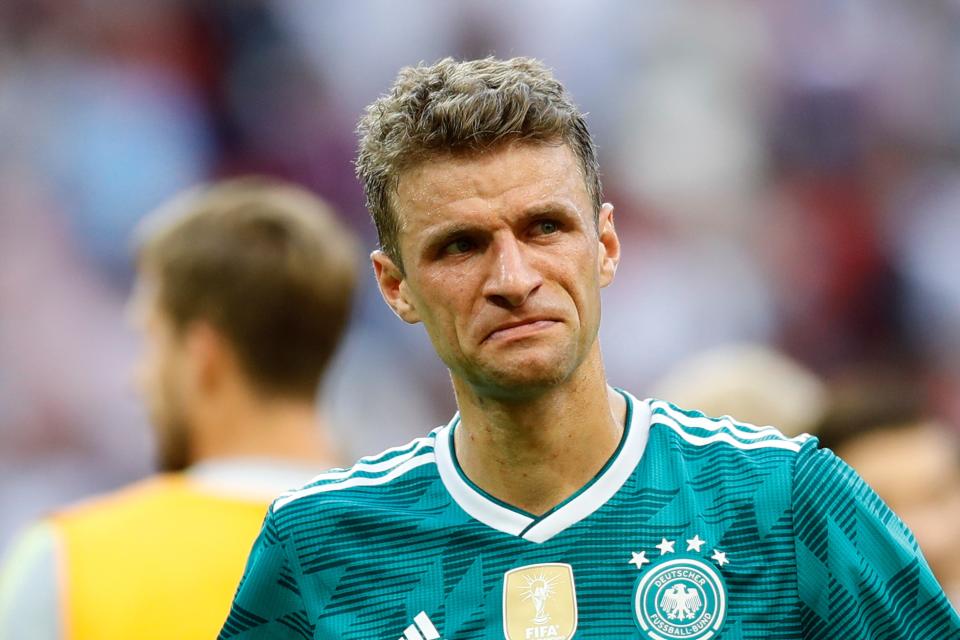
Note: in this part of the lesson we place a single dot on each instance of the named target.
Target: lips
(520, 328)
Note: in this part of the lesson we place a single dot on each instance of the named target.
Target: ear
(393, 287)
(609, 255)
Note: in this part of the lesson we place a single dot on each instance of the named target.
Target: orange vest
(160, 559)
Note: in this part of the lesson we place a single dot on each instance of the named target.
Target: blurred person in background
(244, 290)
(880, 423)
(552, 503)
(915, 468)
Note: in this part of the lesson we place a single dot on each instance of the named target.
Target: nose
(512, 279)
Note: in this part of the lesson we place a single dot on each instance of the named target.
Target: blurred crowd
(784, 173)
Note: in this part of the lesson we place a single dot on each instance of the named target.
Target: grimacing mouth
(518, 323)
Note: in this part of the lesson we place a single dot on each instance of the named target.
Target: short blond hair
(463, 107)
(265, 262)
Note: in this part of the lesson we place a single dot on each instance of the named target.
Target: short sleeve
(268, 603)
(860, 572)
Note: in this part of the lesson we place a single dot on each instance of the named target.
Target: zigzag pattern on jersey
(700, 429)
(292, 614)
(321, 522)
(369, 471)
(741, 498)
(834, 530)
(745, 489)
(604, 579)
(241, 620)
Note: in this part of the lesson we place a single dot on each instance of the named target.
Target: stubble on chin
(521, 377)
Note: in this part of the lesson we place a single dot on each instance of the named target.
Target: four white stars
(667, 546)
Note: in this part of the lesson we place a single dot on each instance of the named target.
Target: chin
(526, 376)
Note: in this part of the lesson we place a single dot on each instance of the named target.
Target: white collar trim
(249, 478)
(514, 522)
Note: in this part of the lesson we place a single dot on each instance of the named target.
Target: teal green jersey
(696, 528)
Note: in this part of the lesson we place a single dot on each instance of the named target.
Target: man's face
(503, 264)
(157, 378)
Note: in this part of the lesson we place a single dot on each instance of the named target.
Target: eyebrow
(551, 206)
(447, 232)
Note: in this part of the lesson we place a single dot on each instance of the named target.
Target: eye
(458, 246)
(546, 227)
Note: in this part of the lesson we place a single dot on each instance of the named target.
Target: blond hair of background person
(754, 382)
(244, 289)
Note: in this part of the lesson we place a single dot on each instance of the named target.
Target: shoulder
(371, 479)
(163, 512)
(131, 498)
(697, 432)
(729, 461)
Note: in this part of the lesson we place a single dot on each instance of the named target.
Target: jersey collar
(503, 517)
(249, 478)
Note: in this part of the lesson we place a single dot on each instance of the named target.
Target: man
(244, 291)
(552, 505)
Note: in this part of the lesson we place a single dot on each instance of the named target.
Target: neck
(536, 453)
(283, 429)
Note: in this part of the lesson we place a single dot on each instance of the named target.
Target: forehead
(499, 181)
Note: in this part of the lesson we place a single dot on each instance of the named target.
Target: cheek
(157, 380)
(447, 304)
(583, 295)
(147, 374)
